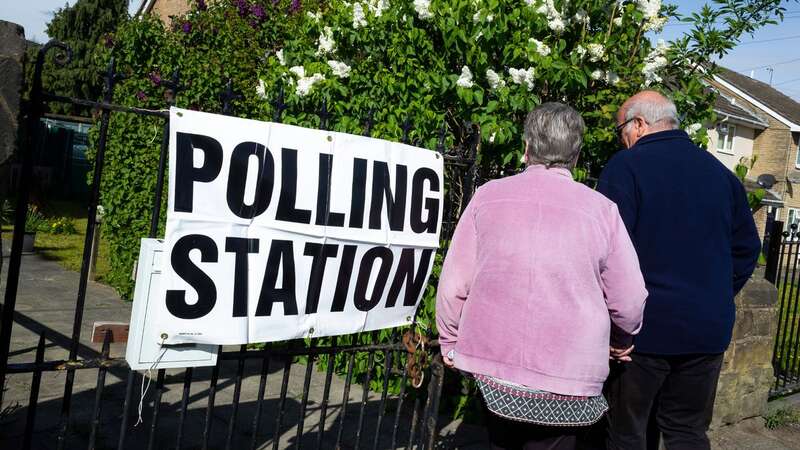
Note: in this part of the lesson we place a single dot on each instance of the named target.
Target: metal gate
(105, 418)
(783, 256)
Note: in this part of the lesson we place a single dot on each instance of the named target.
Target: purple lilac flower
(186, 27)
(243, 8)
(109, 41)
(294, 6)
(201, 5)
(141, 96)
(155, 77)
(258, 12)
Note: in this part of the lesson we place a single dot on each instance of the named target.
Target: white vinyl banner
(278, 232)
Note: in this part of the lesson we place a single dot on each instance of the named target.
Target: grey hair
(554, 135)
(654, 111)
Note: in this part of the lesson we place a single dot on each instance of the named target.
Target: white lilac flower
(597, 74)
(339, 69)
(661, 47)
(261, 89)
(530, 2)
(655, 24)
(541, 48)
(479, 35)
(305, 84)
(299, 71)
(490, 17)
(556, 24)
(581, 51)
(522, 76)
(465, 79)
(494, 79)
(492, 136)
(314, 16)
(618, 21)
(596, 52)
(550, 7)
(477, 17)
(651, 68)
(693, 128)
(612, 78)
(359, 18)
(423, 9)
(649, 8)
(281, 59)
(377, 7)
(581, 17)
(654, 62)
(326, 44)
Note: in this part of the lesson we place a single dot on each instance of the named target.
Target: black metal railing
(783, 256)
(413, 425)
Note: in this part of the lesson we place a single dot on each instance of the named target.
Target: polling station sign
(277, 232)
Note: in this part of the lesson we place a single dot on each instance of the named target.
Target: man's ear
(642, 128)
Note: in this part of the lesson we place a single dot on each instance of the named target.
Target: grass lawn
(67, 249)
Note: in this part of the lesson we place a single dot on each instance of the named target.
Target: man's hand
(448, 362)
(620, 354)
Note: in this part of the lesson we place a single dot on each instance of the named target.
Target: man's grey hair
(655, 112)
(554, 135)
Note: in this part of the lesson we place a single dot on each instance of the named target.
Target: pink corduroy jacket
(538, 268)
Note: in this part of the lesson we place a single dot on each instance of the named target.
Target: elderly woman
(539, 269)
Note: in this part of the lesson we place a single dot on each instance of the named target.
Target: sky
(776, 46)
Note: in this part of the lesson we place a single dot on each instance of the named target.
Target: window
(797, 158)
(725, 135)
(793, 217)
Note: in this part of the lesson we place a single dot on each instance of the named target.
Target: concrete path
(46, 302)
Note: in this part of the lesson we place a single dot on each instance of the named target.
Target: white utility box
(144, 338)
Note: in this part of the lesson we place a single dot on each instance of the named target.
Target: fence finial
(173, 86)
(406, 129)
(279, 106)
(323, 115)
(369, 122)
(442, 134)
(228, 96)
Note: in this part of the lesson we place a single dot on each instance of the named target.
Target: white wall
(742, 145)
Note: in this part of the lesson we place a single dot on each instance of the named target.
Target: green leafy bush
(34, 220)
(61, 225)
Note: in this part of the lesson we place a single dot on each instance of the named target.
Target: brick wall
(166, 8)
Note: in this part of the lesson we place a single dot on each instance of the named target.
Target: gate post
(34, 114)
(773, 250)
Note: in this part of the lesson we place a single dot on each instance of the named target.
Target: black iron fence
(103, 417)
(783, 258)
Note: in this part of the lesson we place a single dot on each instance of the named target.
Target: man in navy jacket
(693, 230)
